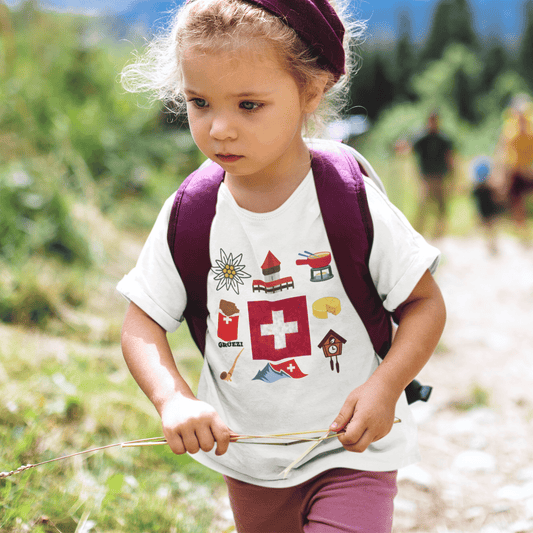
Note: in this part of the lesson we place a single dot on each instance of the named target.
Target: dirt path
(476, 434)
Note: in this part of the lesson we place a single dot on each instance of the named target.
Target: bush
(35, 218)
(69, 135)
(24, 299)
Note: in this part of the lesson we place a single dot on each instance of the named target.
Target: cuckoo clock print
(332, 345)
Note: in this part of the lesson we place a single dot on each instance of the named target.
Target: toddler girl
(251, 74)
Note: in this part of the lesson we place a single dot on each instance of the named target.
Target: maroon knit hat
(317, 24)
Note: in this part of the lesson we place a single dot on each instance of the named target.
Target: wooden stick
(295, 433)
(329, 434)
(27, 467)
(140, 441)
(285, 472)
(275, 435)
(288, 443)
(158, 441)
(140, 444)
(237, 437)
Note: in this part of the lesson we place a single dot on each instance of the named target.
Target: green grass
(57, 402)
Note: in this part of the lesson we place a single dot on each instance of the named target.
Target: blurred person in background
(434, 151)
(485, 197)
(515, 152)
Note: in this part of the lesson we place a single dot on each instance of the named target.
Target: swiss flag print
(291, 368)
(279, 330)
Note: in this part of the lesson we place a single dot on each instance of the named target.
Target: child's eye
(251, 106)
(200, 103)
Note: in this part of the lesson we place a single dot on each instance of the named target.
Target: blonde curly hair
(227, 25)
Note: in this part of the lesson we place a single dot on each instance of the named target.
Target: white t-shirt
(282, 331)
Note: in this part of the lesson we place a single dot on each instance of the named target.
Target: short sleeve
(400, 256)
(154, 284)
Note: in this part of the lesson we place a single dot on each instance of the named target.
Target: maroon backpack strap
(188, 239)
(344, 206)
(342, 198)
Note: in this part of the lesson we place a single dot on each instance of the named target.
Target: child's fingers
(357, 443)
(190, 441)
(354, 432)
(222, 435)
(344, 416)
(363, 431)
(175, 443)
(205, 438)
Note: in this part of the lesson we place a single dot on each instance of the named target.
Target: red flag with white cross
(291, 368)
(279, 330)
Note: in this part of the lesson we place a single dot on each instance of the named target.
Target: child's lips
(229, 158)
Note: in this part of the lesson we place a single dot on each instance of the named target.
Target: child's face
(245, 111)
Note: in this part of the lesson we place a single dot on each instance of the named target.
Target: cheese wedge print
(325, 306)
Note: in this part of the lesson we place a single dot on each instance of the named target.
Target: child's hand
(190, 425)
(366, 416)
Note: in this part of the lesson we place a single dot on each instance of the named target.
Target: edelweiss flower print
(229, 272)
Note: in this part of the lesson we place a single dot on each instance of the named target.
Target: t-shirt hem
(297, 477)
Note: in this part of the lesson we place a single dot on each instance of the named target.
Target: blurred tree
(452, 23)
(404, 58)
(462, 25)
(383, 86)
(450, 80)
(495, 61)
(28, 11)
(525, 54)
(464, 95)
(373, 87)
(438, 36)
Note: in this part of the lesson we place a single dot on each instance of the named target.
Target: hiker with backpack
(289, 267)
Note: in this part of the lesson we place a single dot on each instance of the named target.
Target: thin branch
(27, 467)
(243, 439)
(285, 472)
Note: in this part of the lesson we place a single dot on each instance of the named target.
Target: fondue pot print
(319, 263)
(318, 260)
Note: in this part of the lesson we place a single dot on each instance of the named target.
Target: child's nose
(222, 128)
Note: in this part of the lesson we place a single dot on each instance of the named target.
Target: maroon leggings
(337, 501)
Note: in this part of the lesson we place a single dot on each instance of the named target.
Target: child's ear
(315, 92)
